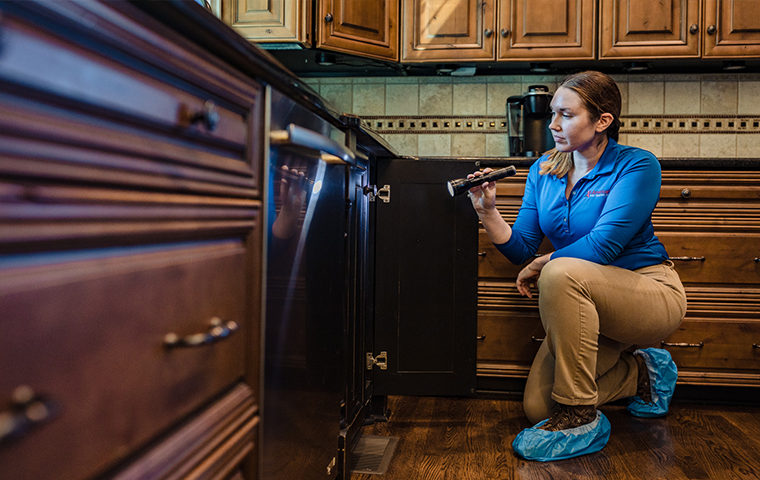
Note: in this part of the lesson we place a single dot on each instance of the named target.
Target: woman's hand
(528, 276)
(483, 197)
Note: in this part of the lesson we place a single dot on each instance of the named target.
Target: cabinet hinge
(385, 194)
(381, 361)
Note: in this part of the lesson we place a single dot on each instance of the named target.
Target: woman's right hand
(483, 197)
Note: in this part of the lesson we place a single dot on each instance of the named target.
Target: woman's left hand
(528, 276)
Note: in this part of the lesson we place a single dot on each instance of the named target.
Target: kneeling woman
(607, 286)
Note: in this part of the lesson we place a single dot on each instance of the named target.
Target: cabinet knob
(482, 254)
(686, 193)
(26, 410)
(208, 116)
(694, 29)
(711, 30)
(218, 330)
(504, 32)
(488, 33)
(328, 18)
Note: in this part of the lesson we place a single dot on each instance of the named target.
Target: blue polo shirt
(607, 220)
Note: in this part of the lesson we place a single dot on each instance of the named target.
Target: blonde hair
(600, 94)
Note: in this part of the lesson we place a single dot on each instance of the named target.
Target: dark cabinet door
(426, 273)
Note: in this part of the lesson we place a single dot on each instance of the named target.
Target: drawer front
(714, 258)
(111, 96)
(89, 336)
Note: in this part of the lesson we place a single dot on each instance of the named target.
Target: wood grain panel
(368, 28)
(736, 26)
(270, 21)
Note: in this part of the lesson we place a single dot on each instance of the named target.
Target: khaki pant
(591, 314)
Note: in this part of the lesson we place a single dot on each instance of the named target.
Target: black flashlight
(461, 185)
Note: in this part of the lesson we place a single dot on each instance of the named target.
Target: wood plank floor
(470, 438)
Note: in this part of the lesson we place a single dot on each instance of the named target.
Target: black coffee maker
(528, 119)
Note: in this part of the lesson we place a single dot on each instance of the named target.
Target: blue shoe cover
(662, 381)
(543, 446)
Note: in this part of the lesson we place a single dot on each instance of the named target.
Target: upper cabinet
(678, 29)
(270, 21)
(448, 30)
(367, 27)
(649, 28)
(547, 29)
(732, 28)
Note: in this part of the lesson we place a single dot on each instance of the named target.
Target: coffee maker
(528, 118)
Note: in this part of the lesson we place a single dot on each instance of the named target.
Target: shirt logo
(597, 193)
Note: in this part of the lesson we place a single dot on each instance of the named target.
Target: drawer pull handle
(25, 411)
(685, 345)
(537, 340)
(208, 116)
(757, 259)
(297, 136)
(483, 254)
(480, 337)
(689, 259)
(755, 345)
(217, 330)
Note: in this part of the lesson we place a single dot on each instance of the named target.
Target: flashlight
(461, 185)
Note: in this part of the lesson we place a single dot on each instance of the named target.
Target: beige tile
(339, 95)
(401, 99)
(645, 98)
(496, 145)
(468, 145)
(436, 99)
(434, 145)
(749, 98)
(623, 87)
(680, 145)
(325, 80)
(721, 145)
(719, 97)
(369, 99)
(623, 139)
(681, 98)
(497, 94)
(748, 145)
(650, 142)
(469, 99)
(404, 143)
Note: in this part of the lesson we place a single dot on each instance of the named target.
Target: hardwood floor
(470, 439)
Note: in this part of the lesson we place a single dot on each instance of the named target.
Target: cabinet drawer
(89, 335)
(714, 258)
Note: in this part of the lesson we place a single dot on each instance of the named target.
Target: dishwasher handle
(303, 137)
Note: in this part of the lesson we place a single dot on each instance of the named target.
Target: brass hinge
(381, 361)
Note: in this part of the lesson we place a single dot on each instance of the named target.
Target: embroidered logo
(597, 193)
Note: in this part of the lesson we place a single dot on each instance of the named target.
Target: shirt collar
(606, 163)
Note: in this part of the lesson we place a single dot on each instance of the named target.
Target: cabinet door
(732, 28)
(649, 28)
(270, 21)
(425, 281)
(368, 27)
(547, 29)
(448, 30)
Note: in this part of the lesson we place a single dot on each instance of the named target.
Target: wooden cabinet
(709, 223)
(267, 22)
(543, 30)
(448, 30)
(679, 29)
(130, 243)
(368, 28)
(731, 29)
(650, 28)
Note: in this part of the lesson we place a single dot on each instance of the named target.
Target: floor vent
(372, 454)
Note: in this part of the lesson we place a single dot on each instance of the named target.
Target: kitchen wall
(689, 115)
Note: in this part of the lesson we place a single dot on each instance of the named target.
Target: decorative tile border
(635, 124)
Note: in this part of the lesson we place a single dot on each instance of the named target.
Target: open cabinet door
(426, 277)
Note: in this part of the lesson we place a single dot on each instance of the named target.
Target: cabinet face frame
(525, 35)
(622, 35)
(271, 21)
(471, 31)
(737, 28)
(341, 28)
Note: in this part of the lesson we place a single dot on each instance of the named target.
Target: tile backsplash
(689, 115)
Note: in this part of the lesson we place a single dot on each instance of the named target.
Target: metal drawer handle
(538, 340)
(754, 345)
(25, 411)
(480, 337)
(303, 137)
(482, 254)
(208, 116)
(685, 345)
(689, 259)
(217, 330)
